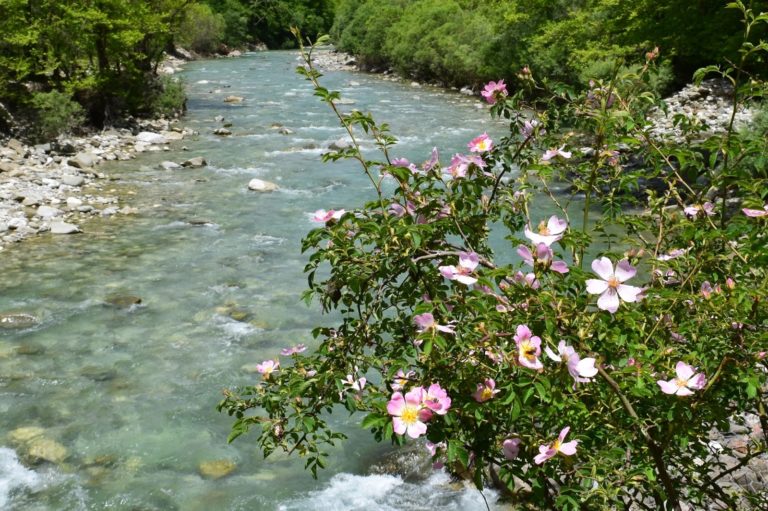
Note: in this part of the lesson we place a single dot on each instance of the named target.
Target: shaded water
(131, 392)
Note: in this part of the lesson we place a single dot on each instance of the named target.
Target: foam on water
(14, 476)
(348, 492)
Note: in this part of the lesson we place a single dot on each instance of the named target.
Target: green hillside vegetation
(467, 42)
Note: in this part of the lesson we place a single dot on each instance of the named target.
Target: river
(129, 393)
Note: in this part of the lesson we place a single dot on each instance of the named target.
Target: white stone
(259, 185)
(63, 228)
(148, 137)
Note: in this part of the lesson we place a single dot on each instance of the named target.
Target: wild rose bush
(591, 373)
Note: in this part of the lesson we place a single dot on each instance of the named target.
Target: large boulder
(82, 161)
(148, 137)
(70, 180)
(48, 212)
(259, 185)
(197, 161)
(64, 228)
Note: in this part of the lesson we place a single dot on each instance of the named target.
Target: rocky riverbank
(708, 105)
(56, 187)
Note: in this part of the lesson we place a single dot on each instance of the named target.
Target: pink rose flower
(685, 382)
(558, 446)
(549, 232)
(468, 261)
(485, 391)
(529, 348)
(611, 285)
(493, 91)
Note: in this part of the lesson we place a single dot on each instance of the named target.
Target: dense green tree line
(99, 54)
(216, 25)
(461, 42)
(62, 63)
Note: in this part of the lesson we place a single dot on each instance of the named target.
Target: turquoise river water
(131, 393)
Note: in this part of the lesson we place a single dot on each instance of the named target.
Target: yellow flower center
(681, 383)
(556, 445)
(409, 415)
(543, 229)
(529, 351)
(486, 394)
(613, 282)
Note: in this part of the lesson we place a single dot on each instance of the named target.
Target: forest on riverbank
(469, 42)
(63, 65)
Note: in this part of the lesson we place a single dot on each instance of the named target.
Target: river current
(129, 393)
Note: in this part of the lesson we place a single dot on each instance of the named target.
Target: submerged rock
(222, 132)
(123, 301)
(98, 373)
(216, 469)
(233, 99)
(42, 449)
(17, 320)
(169, 165)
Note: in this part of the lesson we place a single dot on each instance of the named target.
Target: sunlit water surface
(131, 392)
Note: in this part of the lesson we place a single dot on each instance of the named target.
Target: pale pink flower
(611, 285)
(485, 390)
(407, 413)
(404, 163)
(267, 367)
(528, 279)
(555, 152)
(730, 283)
(432, 161)
(549, 232)
(299, 348)
(511, 448)
(460, 165)
(672, 254)
(694, 210)
(468, 261)
(528, 128)
(426, 322)
(323, 216)
(529, 348)
(436, 399)
(756, 213)
(558, 446)
(402, 379)
(433, 450)
(686, 381)
(581, 370)
(481, 144)
(542, 258)
(354, 384)
(493, 91)
(707, 290)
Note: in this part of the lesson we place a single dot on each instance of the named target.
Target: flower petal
(603, 267)
(625, 271)
(629, 293)
(569, 448)
(683, 371)
(416, 429)
(596, 286)
(551, 355)
(668, 387)
(609, 301)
